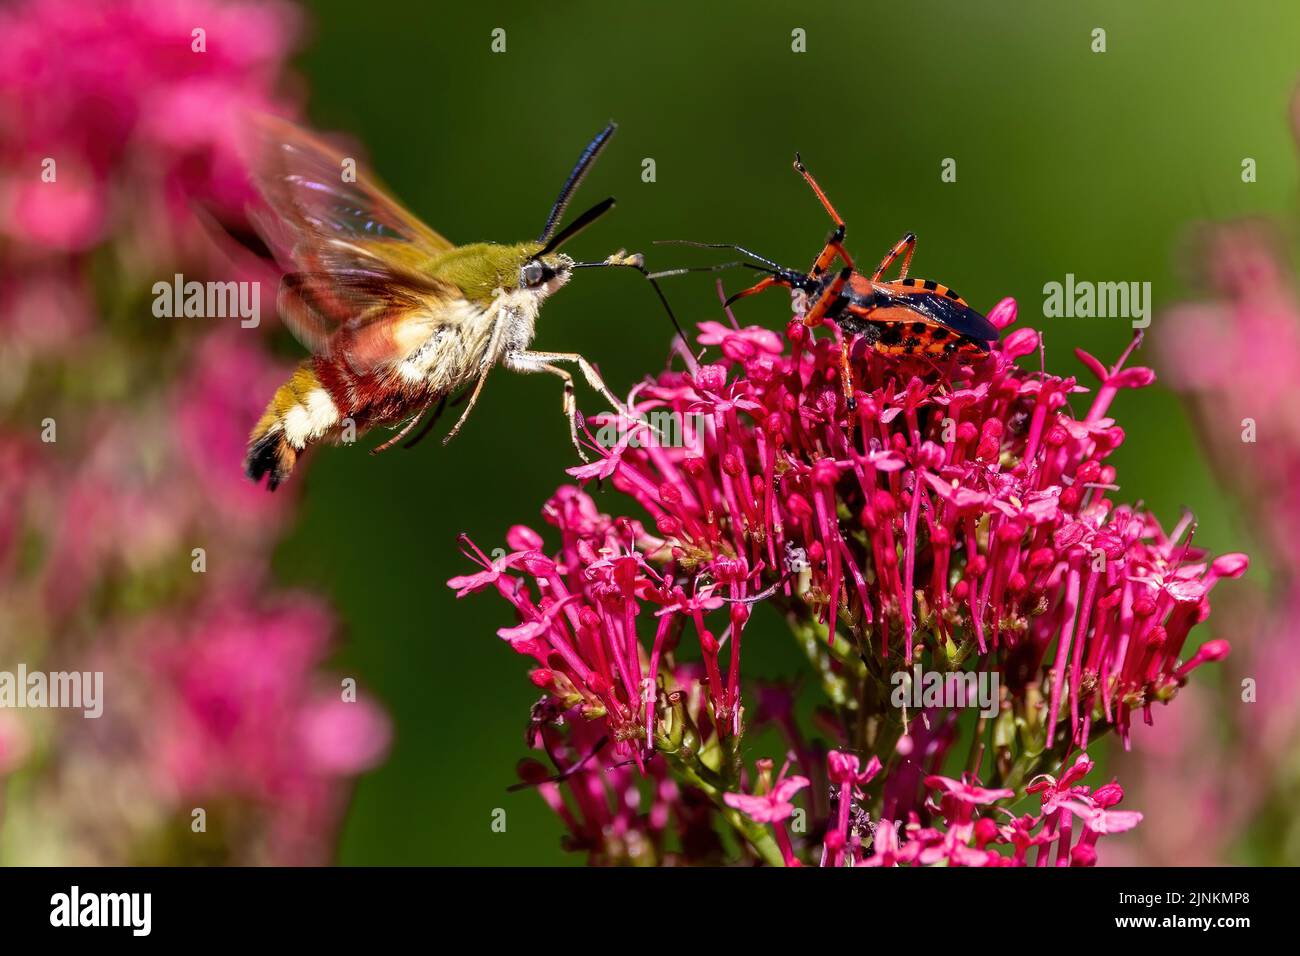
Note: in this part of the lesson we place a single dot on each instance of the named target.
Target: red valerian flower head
(956, 512)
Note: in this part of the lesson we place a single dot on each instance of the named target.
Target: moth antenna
(579, 172)
(578, 225)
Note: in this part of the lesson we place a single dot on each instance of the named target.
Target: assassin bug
(903, 316)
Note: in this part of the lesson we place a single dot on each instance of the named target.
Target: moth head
(543, 274)
(546, 268)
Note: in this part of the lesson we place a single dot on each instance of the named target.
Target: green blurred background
(1067, 161)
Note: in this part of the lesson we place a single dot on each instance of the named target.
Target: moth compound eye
(532, 275)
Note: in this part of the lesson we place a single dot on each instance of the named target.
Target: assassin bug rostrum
(902, 317)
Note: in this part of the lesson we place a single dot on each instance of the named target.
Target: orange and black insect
(902, 316)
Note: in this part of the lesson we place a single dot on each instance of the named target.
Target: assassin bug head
(790, 278)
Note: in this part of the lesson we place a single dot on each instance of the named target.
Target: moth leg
(473, 400)
(570, 408)
(433, 420)
(528, 361)
(410, 423)
(537, 362)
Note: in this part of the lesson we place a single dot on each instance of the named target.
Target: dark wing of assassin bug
(902, 317)
(912, 317)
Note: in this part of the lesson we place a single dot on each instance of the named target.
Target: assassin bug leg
(835, 244)
(802, 170)
(824, 301)
(834, 247)
(815, 317)
(757, 287)
(846, 375)
(905, 245)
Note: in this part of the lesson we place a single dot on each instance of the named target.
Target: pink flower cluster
(951, 515)
(961, 826)
(608, 814)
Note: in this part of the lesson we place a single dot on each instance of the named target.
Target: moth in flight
(397, 317)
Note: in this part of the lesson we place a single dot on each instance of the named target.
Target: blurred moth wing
(356, 261)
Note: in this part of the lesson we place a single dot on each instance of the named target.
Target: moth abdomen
(300, 413)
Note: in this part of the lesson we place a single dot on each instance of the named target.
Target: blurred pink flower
(118, 118)
(15, 742)
(344, 738)
(19, 464)
(244, 714)
(67, 215)
(42, 310)
(1251, 423)
(217, 403)
(117, 93)
(1218, 761)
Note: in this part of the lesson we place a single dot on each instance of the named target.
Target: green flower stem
(812, 638)
(755, 834)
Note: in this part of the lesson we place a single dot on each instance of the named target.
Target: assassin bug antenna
(720, 245)
(684, 270)
(571, 184)
(777, 274)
